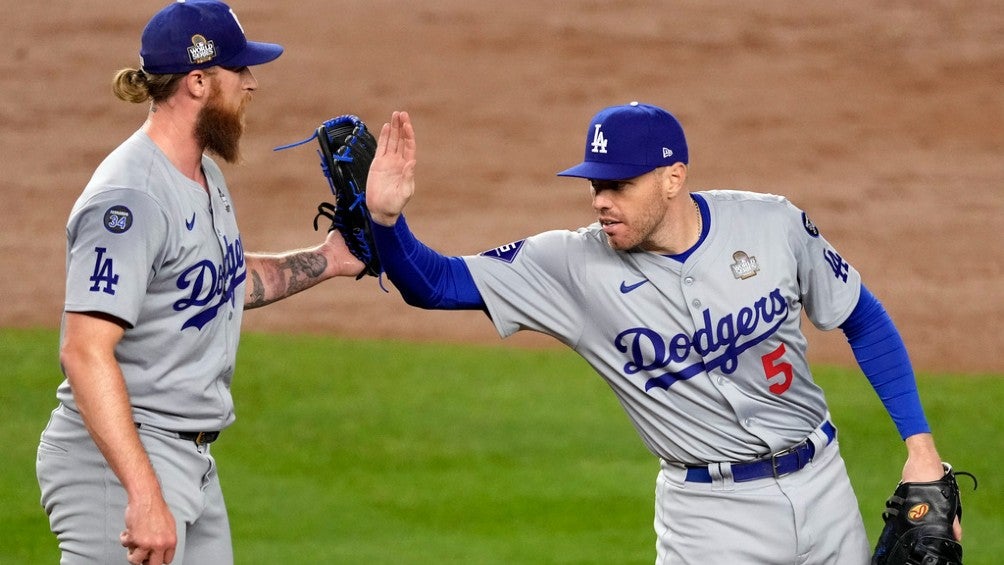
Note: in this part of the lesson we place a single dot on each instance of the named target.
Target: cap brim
(605, 171)
(255, 53)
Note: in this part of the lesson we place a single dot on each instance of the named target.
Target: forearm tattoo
(274, 278)
(304, 271)
(257, 294)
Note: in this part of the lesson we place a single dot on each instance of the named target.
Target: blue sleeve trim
(425, 278)
(882, 356)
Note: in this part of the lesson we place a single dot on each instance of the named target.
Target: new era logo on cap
(628, 141)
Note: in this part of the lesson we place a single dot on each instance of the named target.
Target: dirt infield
(884, 120)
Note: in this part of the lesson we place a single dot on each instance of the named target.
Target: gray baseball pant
(808, 517)
(86, 503)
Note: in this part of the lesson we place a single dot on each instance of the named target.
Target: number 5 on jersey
(773, 366)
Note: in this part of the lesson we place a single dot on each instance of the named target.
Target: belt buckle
(199, 439)
(774, 457)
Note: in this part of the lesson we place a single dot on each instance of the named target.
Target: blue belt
(775, 465)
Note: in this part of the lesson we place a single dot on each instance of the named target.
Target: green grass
(366, 452)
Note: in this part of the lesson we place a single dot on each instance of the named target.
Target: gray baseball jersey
(706, 356)
(149, 246)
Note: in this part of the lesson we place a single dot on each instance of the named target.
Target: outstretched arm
(272, 277)
(425, 278)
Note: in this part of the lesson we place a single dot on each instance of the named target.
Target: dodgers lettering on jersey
(208, 282)
(706, 356)
(650, 351)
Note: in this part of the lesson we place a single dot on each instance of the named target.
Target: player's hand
(923, 465)
(391, 181)
(150, 536)
(341, 261)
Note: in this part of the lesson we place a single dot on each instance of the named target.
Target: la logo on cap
(599, 141)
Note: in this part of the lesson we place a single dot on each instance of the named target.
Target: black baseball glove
(918, 523)
(346, 149)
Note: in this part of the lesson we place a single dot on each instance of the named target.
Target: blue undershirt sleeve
(882, 356)
(425, 278)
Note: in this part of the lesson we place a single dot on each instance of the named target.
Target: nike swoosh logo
(626, 288)
(190, 224)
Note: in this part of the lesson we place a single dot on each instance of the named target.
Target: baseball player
(157, 279)
(688, 305)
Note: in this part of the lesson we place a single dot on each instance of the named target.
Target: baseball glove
(346, 149)
(918, 523)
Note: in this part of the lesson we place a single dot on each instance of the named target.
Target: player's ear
(197, 83)
(678, 174)
(673, 178)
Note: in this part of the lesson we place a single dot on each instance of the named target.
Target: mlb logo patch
(505, 252)
(810, 228)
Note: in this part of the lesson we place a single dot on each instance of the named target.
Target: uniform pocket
(47, 448)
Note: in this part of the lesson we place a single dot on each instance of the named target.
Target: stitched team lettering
(207, 282)
(104, 272)
(837, 263)
(730, 335)
(599, 141)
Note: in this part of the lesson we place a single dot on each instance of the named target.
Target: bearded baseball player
(156, 282)
(688, 305)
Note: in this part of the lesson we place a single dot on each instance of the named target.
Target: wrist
(923, 463)
(143, 488)
(385, 219)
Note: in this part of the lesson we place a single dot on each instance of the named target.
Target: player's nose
(248, 80)
(600, 201)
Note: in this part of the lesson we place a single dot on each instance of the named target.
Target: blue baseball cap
(627, 141)
(197, 34)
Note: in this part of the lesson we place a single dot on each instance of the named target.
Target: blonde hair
(137, 86)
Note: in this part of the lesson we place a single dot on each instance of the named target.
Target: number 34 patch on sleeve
(118, 219)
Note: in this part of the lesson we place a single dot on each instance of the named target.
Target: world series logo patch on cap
(201, 51)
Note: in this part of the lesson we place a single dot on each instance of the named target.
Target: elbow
(424, 297)
(65, 359)
(72, 356)
(418, 301)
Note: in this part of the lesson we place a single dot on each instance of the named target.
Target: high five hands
(391, 181)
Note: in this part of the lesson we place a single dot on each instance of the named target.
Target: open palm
(391, 180)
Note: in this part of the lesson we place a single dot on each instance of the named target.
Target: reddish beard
(219, 128)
